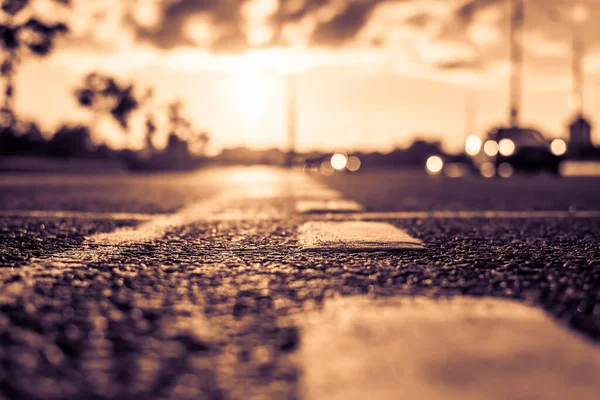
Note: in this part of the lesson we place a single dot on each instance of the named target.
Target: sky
(370, 74)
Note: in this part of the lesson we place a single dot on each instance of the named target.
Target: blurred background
(451, 87)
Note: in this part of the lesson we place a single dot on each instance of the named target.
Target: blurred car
(505, 151)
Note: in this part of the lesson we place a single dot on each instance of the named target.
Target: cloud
(344, 26)
(239, 25)
(171, 29)
(447, 36)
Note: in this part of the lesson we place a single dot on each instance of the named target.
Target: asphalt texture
(391, 190)
(114, 194)
(209, 309)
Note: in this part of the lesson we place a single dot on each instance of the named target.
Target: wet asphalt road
(208, 308)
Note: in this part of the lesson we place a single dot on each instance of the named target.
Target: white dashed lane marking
(463, 215)
(332, 211)
(462, 348)
(355, 236)
(77, 215)
(328, 206)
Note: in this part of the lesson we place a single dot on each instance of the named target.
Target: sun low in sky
(371, 74)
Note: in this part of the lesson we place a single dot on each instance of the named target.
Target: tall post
(516, 59)
(578, 76)
(291, 116)
(470, 114)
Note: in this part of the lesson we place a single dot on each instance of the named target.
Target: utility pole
(291, 116)
(580, 129)
(577, 95)
(470, 114)
(579, 17)
(516, 59)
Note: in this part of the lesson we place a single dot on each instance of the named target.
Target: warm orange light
(506, 147)
(473, 145)
(490, 148)
(487, 170)
(339, 161)
(353, 164)
(558, 147)
(505, 170)
(326, 169)
(434, 165)
(251, 90)
(580, 13)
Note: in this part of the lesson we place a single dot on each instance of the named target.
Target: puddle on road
(461, 348)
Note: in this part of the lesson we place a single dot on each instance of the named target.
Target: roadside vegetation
(104, 96)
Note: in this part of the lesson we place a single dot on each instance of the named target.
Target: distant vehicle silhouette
(506, 150)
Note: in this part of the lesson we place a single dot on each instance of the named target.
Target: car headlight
(473, 145)
(490, 148)
(506, 147)
(558, 147)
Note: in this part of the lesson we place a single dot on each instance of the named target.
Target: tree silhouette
(181, 126)
(104, 94)
(33, 36)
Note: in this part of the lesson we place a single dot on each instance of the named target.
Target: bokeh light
(491, 148)
(339, 161)
(353, 164)
(505, 170)
(487, 170)
(455, 170)
(299, 162)
(580, 13)
(434, 165)
(506, 147)
(473, 145)
(558, 147)
(326, 169)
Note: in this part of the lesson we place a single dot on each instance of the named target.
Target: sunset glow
(384, 68)
(252, 92)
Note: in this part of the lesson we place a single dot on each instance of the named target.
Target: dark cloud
(307, 8)
(464, 15)
(225, 15)
(229, 23)
(467, 11)
(345, 25)
(456, 29)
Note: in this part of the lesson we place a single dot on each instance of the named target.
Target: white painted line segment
(355, 236)
(463, 215)
(78, 215)
(230, 214)
(101, 246)
(457, 349)
(328, 206)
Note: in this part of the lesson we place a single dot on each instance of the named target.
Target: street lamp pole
(578, 52)
(516, 59)
(580, 15)
(291, 116)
